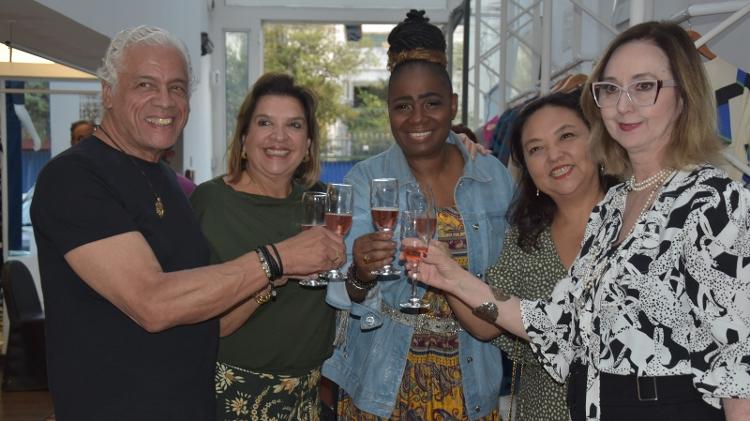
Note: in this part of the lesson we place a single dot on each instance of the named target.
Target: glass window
(349, 79)
(237, 83)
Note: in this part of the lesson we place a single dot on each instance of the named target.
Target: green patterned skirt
(244, 395)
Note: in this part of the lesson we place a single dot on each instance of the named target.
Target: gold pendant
(159, 206)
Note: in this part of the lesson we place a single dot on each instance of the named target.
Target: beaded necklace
(655, 179)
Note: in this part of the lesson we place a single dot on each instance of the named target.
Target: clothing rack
(558, 73)
(707, 9)
(739, 14)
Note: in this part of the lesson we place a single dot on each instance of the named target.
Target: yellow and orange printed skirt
(431, 387)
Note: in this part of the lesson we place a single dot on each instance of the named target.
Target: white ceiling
(349, 4)
(46, 33)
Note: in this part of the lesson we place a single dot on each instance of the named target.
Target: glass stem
(414, 282)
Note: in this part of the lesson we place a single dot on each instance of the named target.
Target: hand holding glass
(313, 215)
(418, 225)
(384, 208)
(338, 214)
(417, 230)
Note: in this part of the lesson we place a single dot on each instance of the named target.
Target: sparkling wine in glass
(421, 199)
(384, 209)
(339, 214)
(416, 232)
(313, 215)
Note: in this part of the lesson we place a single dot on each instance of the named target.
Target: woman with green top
(559, 184)
(271, 348)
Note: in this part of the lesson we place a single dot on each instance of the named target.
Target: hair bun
(416, 39)
(416, 16)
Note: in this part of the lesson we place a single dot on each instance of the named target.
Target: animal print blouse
(673, 298)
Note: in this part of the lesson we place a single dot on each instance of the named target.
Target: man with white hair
(131, 307)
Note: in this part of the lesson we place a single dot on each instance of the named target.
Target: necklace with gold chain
(158, 204)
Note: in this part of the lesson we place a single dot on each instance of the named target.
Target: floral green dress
(530, 276)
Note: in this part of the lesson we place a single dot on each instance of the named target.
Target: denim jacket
(370, 354)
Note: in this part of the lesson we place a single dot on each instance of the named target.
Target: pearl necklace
(632, 185)
(596, 268)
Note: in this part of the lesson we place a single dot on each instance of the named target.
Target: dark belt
(639, 398)
(626, 389)
(618, 389)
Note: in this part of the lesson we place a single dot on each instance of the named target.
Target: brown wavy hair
(277, 84)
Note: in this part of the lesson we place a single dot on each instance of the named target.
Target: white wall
(64, 110)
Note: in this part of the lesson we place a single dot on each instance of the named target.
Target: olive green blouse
(293, 333)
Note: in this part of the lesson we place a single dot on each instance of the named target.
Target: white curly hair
(139, 35)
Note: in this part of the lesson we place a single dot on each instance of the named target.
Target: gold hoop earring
(243, 155)
(307, 157)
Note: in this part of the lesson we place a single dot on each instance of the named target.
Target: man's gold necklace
(158, 204)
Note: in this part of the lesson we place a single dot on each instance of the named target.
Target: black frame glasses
(659, 83)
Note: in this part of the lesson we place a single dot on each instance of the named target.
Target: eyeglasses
(641, 93)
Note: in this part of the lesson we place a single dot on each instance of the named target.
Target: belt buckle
(641, 398)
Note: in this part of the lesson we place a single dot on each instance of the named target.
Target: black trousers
(629, 398)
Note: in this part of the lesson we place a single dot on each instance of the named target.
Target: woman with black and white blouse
(653, 320)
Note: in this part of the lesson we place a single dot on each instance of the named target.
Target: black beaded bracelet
(351, 276)
(264, 263)
(267, 264)
(273, 265)
(273, 268)
(278, 259)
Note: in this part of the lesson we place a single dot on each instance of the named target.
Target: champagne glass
(421, 199)
(384, 208)
(338, 215)
(313, 215)
(416, 231)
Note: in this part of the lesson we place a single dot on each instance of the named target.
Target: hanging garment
(732, 94)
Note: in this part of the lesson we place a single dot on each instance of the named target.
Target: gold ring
(366, 258)
(263, 298)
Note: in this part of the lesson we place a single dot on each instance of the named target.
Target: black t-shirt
(102, 365)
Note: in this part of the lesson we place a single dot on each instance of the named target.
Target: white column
(546, 46)
(197, 139)
(637, 12)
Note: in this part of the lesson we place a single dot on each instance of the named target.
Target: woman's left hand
(472, 147)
